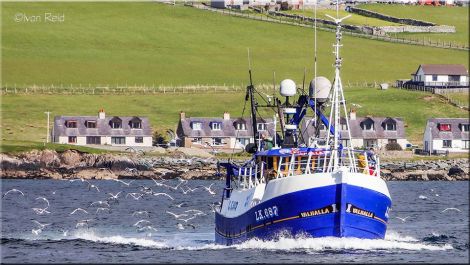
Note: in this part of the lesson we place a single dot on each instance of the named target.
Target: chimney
(101, 114)
(352, 114)
(182, 115)
(226, 116)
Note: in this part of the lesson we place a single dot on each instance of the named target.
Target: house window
(217, 141)
(390, 126)
(72, 139)
(261, 126)
(392, 141)
(118, 140)
(369, 126)
(240, 126)
(136, 124)
(465, 127)
(454, 78)
(197, 140)
(197, 126)
(243, 141)
(369, 143)
(216, 126)
(344, 127)
(139, 140)
(71, 124)
(466, 144)
(444, 127)
(93, 140)
(115, 123)
(434, 77)
(447, 143)
(90, 124)
(345, 142)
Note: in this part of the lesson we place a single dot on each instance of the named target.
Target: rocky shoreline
(71, 164)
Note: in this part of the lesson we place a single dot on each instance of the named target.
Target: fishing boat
(319, 188)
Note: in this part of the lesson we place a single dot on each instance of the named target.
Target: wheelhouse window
(115, 123)
(90, 124)
(71, 124)
(216, 126)
(93, 140)
(217, 141)
(444, 127)
(447, 143)
(261, 126)
(118, 140)
(196, 125)
(72, 139)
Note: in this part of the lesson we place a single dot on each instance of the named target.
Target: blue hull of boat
(338, 210)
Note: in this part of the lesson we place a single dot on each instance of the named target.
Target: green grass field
(442, 15)
(23, 117)
(151, 43)
(353, 20)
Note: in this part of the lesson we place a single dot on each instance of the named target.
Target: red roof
(444, 69)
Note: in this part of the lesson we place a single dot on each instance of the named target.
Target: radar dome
(322, 89)
(288, 88)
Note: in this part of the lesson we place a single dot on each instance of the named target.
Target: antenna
(303, 81)
(315, 59)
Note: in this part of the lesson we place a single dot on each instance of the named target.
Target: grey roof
(456, 132)
(443, 69)
(356, 130)
(103, 127)
(227, 130)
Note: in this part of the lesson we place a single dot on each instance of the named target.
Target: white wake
(392, 241)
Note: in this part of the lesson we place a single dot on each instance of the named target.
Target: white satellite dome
(288, 88)
(322, 89)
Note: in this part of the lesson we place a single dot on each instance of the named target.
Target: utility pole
(47, 136)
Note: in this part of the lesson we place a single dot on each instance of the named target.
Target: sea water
(429, 222)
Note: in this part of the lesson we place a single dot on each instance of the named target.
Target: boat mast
(337, 97)
(249, 94)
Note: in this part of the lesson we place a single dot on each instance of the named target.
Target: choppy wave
(392, 241)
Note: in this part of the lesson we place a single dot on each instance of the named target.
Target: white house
(441, 75)
(102, 130)
(447, 134)
(222, 133)
(366, 132)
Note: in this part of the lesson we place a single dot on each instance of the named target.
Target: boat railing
(358, 161)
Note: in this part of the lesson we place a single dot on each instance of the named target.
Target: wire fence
(108, 89)
(302, 21)
(456, 96)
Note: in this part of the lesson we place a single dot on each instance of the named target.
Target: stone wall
(70, 164)
(417, 29)
(406, 21)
